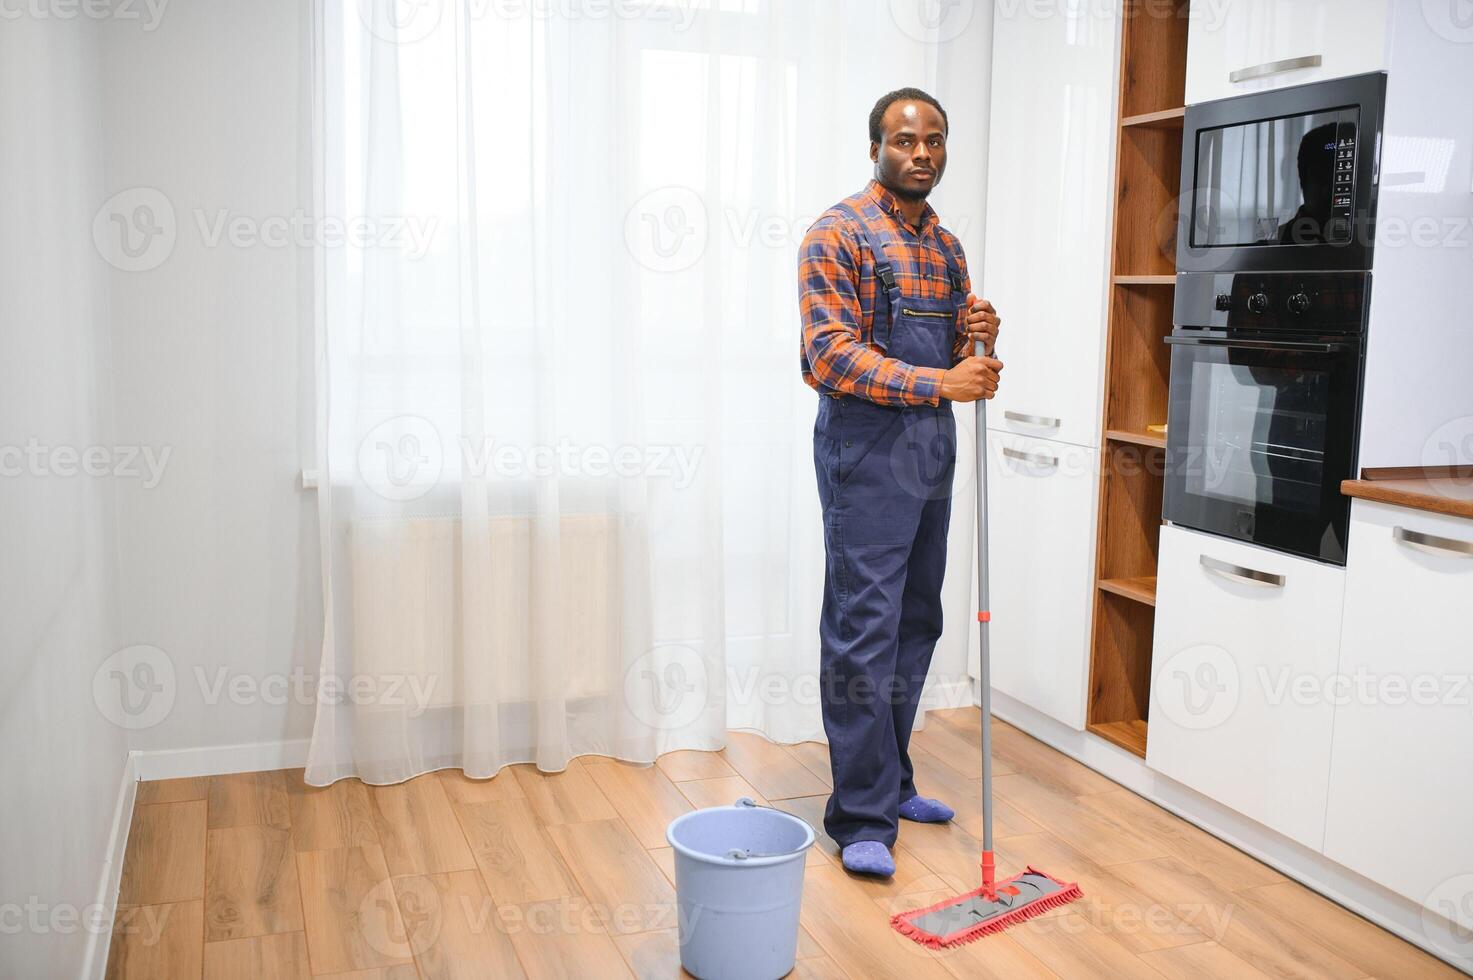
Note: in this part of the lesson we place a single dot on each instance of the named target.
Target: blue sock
(869, 857)
(923, 810)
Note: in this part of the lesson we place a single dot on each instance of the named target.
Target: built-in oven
(1273, 259)
(1282, 180)
(1264, 406)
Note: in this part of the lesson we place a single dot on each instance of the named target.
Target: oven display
(1284, 181)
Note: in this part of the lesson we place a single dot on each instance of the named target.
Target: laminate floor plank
(149, 942)
(250, 883)
(281, 956)
(417, 828)
(164, 861)
(776, 772)
(326, 817)
(645, 797)
(351, 913)
(249, 799)
(516, 857)
(455, 931)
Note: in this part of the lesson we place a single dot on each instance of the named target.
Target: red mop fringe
(901, 920)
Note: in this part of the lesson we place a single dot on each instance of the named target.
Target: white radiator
(462, 628)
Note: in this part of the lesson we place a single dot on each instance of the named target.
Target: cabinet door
(1048, 194)
(1400, 797)
(1348, 36)
(1239, 629)
(1040, 509)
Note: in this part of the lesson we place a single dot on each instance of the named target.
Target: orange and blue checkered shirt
(836, 296)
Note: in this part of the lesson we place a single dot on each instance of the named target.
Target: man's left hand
(982, 323)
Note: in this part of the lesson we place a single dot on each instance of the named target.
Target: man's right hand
(973, 378)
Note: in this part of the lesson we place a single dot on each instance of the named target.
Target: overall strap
(889, 286)
(958, 281)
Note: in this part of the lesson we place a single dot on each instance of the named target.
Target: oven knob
(1258, 302)
(1224, 301)
(1299, 303)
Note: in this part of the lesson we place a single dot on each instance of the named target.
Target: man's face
(911, 154)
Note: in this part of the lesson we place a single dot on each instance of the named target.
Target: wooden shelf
(1129, 735)
(1141, 588)
(1148, 148)
(1145, 280)
(1155, 439)
(1164, 119)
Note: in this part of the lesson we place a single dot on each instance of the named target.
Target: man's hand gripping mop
(997, 904)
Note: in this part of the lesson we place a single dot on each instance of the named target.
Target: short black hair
(890, 98)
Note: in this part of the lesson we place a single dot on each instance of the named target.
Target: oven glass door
(1260, 435)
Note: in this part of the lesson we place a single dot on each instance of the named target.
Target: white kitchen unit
(1239, 46)
(1048, 190)
(1240, 630)
(1040, 522)
(1400, 802)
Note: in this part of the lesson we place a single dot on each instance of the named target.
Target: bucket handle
(743, 854)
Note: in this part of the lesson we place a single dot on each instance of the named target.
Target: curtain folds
(564, 455)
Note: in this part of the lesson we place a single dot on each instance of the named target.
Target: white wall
(60, 760)
(1418, 394)
(219, 561)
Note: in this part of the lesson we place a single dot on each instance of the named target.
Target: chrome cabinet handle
(1250, 575)
(1038, 458)
(1461, 549)
(1275, 67)
(1032, 419)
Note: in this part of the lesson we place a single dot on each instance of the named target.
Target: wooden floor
(568, 875)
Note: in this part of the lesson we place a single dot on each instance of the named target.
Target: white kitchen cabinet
(1262, 38)
(1048, 191)
(1400, 802)
(1040, 508)
(1240, 631)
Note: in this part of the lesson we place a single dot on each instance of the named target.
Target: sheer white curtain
(565, 478)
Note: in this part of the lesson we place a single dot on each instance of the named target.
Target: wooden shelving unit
(1153, 59)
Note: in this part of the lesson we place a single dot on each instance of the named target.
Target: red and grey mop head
(991, 908)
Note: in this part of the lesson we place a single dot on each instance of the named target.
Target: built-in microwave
(1282, 180)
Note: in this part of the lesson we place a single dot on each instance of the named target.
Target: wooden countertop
(1440, 489)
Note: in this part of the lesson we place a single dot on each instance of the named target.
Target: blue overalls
(884, 480)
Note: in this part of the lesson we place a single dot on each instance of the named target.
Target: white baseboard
(1394, 913)
(94, 965)
(219, 760)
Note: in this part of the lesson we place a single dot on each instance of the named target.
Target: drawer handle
(1275, 68)
(1038, 458)
(1043, 420)
(1452, 546)
(1250, 575)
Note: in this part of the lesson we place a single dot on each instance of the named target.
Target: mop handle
(984, 616)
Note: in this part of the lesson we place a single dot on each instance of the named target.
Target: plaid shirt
(836, 295)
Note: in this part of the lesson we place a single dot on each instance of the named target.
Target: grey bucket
(739, 882)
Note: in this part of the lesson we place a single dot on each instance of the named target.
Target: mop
(997, 904)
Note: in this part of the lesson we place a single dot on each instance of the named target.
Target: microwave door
(1260, 435)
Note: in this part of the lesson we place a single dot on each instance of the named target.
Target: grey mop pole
(984, 615)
